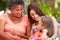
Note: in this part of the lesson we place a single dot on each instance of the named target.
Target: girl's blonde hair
(47, 22)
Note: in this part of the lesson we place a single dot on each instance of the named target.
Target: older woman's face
(17, 10)
(34, 15)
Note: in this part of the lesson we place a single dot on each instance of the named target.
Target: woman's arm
(2, 34)
(32, 32)
(26, 36)
(28, 30)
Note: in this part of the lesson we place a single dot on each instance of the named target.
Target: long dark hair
(47, 22)
(37, 9)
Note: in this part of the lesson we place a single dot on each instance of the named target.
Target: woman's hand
(18, 33)
(15, 32)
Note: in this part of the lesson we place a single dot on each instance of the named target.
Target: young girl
(44, 30)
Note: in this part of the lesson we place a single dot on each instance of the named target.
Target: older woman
(13, 26)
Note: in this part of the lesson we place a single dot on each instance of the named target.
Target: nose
(19, 12)
(36, 16)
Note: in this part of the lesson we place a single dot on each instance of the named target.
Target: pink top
(10, 26)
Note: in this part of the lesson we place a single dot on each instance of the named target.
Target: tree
(3, 4)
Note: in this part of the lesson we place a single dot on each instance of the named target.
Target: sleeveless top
(10, 27)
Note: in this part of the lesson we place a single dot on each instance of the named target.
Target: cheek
(15, 13)
(40, 27)
(37, 16)
(32, 17)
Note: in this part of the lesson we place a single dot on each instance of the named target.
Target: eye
(32, 14)
(37, 14)
(21, 9)
(17, 9)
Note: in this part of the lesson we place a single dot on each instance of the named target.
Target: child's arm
(44, 35)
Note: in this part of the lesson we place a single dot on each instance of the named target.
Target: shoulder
(55, 26)
(25, 16)
(54, 21)
(26, 20)
(3, 17)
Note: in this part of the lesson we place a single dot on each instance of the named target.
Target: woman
(34, 13)
(34, 8)
(43, 31)
(13, 26)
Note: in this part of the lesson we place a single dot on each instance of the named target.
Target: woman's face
(34, 15)
(17, 10)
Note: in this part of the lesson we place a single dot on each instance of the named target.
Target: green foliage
(58, 20)
(3, 4)
(58, 14)
(31, 0)
(49, 10)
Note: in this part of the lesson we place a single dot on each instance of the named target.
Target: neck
(12, 17)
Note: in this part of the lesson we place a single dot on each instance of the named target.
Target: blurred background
(49, 7)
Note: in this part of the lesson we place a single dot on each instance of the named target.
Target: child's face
(41, 27)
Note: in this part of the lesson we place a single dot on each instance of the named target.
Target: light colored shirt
(10, 27)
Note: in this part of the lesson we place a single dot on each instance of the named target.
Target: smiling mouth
(18, 16)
